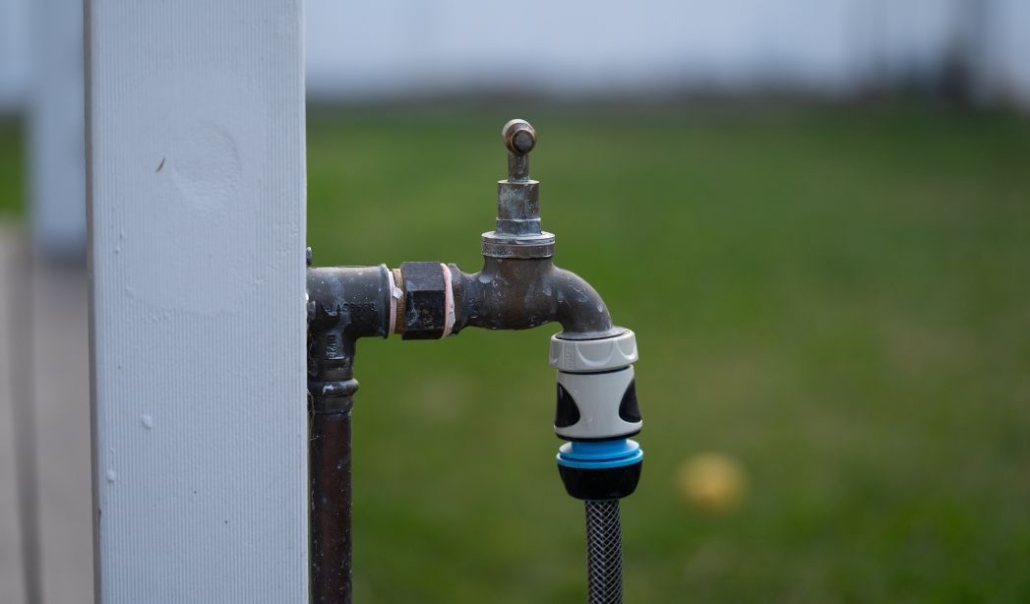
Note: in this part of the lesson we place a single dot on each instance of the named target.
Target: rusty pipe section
(526, 293)
(439, 300)
(343, 304)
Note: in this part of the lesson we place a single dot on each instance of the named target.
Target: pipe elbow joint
(343, 304)
(354, 300)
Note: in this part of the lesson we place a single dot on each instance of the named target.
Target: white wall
(575, 46)
(367, 50)
(581, 47)
(1009, 50)
(14, 52)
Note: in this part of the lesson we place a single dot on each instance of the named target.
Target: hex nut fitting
(426, 296)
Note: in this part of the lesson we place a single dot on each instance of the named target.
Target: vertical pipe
(331, 388)
(329, 451)
(343, 304)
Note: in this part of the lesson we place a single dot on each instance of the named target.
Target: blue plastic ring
(599, 455)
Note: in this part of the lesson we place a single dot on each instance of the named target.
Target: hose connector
(597, 411)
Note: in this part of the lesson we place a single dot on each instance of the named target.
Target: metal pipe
(344, 304)
(519, 287)
(515, 293)
(329, 455)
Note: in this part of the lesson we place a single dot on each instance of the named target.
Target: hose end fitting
(600, 471)
(597, 411)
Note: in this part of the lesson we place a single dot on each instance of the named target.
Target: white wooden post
(196, 185)
(56, 124)
(14, 43)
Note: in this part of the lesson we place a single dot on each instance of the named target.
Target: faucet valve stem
(517, 233)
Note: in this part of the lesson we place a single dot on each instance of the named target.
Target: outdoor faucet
(519, 287)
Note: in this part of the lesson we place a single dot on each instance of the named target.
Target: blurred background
(815, 214)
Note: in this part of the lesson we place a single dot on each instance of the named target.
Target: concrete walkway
(44, 429)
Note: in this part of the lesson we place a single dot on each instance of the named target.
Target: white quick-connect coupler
(597, 397)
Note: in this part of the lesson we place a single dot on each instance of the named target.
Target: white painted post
(14, 52)
(56, 124)
(196, 185)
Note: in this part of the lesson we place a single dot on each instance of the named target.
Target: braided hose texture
(604, 552)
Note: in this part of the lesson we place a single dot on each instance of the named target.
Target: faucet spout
(521, 294)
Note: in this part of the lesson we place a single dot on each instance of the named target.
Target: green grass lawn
(840, 300)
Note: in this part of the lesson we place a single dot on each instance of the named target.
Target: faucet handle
(519, 138)
(517, 233)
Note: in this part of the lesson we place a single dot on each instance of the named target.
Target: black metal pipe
(344, 304)
(329, 459)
